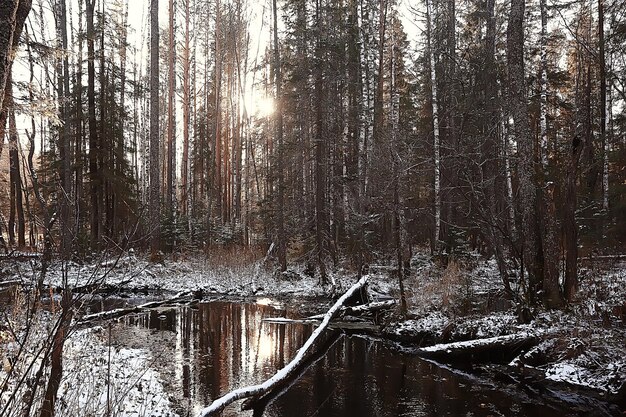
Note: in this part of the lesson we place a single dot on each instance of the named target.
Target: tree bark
(155, 183)
(436, 140)
(282, 244)
(94, 176)
(185, 199)
(551, 289)
(531, 244)
(321, 217)
(570, 227)
(218, 117)
(17, 205)
(63, 87)
(507, 345)
(13, 14)
(550, 236)
(604, 120)
(171, 126)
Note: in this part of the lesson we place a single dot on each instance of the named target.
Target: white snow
(134, 387)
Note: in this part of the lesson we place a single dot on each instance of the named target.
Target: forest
(500, 131)
(303, 143)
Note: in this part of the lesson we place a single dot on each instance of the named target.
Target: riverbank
(579, 349)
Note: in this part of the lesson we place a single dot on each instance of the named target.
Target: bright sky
(138, 12)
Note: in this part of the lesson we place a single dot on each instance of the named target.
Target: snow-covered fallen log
(12, 283)
(359, 310)
(19, 256)
(507, 345)
(372, 307)
(292, 367)
(119, 312)
(258, 403)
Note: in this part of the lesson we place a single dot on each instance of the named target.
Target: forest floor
(582, 346)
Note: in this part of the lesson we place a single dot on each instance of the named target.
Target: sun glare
(259, 105)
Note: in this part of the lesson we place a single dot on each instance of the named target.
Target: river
(221, 345)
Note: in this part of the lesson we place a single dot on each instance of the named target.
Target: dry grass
(234, 256)
(439, 288)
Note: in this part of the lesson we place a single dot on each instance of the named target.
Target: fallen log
(482, 349)
(359, 310)
(369, 308)
(291, 368)
(19, 256)
(12, 283)
(100, 288)
(120, 312)
(258, 403)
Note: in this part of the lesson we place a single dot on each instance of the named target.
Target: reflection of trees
(223, 345)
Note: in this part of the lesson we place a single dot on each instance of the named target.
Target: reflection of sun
(266, 345)
(259, 104)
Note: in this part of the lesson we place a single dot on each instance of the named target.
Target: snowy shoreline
(585, 350)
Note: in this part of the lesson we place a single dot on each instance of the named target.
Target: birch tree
(436, 137)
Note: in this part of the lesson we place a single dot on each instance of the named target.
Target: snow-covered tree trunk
(436, 145)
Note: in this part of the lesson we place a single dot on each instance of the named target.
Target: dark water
(220, 346)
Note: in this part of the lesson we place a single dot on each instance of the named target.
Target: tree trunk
(292, 367)
(550, 244)
(218, 117)
(13, 14)
(171, 127)
(321, 219)
(65, 194)
(12, 164)
(531, 244)
(94, 177)
(604, 120)
(282, 244)
(570, 228)
(155, 201)
(78, 127)
(436, 144)
(185, 200)
(15, 176)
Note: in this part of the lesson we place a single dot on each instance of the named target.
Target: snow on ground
(136, 274)
(585, 344)
(125, 382)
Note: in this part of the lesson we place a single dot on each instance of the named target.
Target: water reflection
(221, 346)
